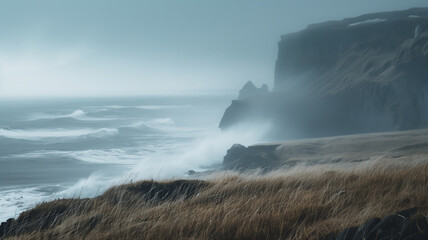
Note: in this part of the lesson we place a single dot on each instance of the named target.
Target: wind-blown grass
(304, 204)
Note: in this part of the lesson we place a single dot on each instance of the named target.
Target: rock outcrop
(243, 158)
(403, 146)
(249, 90)
(363, 74)
(397, 226)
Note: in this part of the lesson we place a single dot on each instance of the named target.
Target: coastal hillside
(367, 185)
(357, 75)
(306, 204)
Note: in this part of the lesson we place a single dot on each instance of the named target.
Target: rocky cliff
(249, 90)
(351, 150)
(363, 74)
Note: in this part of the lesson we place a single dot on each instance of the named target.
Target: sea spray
(201, 154)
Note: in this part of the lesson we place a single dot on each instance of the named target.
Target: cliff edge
(357, 75)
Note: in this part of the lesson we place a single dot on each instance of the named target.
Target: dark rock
(422, 225)
(330, 236)
(414, 229)
(37, 219)
(416, 236)
(364, 229)
(235, 154)
(237, 149)
(347, 234)
(397, 226)
(5, 227)
(408, 212)
(241, 158)
(388, 227)
(406, 228)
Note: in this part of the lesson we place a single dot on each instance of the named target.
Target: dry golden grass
(307, 204)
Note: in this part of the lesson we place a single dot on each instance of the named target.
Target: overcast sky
(99, 47)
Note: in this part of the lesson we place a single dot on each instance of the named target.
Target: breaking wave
(15, 201)
(148, 107)
(155, 124)
(110, 156)
(38, 134)
(78, 115)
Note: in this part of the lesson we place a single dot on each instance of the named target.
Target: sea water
(64, 147)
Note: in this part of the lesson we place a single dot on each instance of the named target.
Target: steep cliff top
(411, 15)
(334, 56)
(357, 75)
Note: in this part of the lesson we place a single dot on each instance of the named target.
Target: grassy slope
(287, 204)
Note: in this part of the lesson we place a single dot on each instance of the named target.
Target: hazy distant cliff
(362, 74)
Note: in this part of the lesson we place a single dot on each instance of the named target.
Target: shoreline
(375, 187)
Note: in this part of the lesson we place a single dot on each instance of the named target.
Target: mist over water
(56, 148)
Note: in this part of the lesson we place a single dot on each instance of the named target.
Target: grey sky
(83, 47)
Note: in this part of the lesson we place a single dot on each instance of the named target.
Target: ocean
(79, 147)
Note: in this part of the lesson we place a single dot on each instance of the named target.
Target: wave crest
(156, 124)
(110, 156)
(38, 134)
(148, 107)
(77, 115)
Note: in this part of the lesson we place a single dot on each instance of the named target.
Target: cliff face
(363, 74)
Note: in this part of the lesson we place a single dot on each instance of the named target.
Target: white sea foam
(148, 107)
(199, 154)
(165, 161)
(94, 185)
(38, 134)
(15, 201)
(116, 156)
(78, 115)
(153, 140)
(168, 160)
(166, 126)
(162, 124)
(375, 20)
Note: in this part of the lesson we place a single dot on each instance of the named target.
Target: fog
(94, 48)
